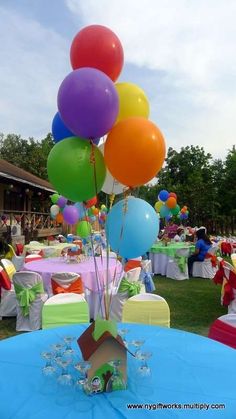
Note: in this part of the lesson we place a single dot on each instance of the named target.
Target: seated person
(180, 235)
(171, 229)
(202, 246)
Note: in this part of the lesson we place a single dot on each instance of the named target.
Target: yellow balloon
(133, 101)
(158, 206)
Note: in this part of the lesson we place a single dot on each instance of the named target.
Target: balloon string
(124, 212)
(93, 161)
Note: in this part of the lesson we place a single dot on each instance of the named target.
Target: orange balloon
(59, 218)
(171, 202)
(134, 151)
(95, 211)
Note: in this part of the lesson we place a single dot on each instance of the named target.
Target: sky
(182, 53)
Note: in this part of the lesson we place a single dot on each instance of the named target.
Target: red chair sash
(223, 332)
(213, 259)
(4, 280)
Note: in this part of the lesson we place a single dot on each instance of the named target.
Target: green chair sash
(26, 296)
(133, 288)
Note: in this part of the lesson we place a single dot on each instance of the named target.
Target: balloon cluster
(81, 213)
(167, 206)
(91, 105)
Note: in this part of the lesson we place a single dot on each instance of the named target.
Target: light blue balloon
(164, 211)
(81, 208)
(131, 234)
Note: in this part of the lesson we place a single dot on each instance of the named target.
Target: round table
(94, 279)
(55, 249)
(87, 270)
(187, 369)
(160, 254)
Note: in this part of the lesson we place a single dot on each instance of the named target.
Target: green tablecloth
(170, 249)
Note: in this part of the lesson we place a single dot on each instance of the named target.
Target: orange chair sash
(75, 287)
(132, 264)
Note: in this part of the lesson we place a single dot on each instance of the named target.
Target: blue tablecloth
(186, 369)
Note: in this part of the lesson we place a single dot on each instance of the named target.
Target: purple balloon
(70, 214)
(88, 102)
(62, 202)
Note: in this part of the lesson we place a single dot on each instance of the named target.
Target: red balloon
(91, 202)
(98, 47)
(173, 195)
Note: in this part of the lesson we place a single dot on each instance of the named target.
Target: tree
(30, 155)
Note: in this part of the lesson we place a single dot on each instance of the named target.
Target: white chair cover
(18, 262)
(205, 269)
(65, 298)
(146, 266)
(65, 279)
(8, 303)
(119, 298)
(229, 319)
(34, 320)
(173, 270)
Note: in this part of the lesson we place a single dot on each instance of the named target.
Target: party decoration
(164, 211)
(83, 229)
(158, 206)
(59, 130)
(71, 170)
(111, 185)
(172, 194)
(54, 210)
(134, 151)
(81, 208)
(91, 202)
(175, 210)
(59, 218)
(88, 102)
(163, 195)
(171, 202)
(62, 202)
(98, 47)
(133, 101)
(54, 198)
(70, 214)
(132, 227)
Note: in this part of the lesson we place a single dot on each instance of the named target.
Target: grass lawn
(194, 305)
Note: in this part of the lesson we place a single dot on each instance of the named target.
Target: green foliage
(30, 155)
(206, 186)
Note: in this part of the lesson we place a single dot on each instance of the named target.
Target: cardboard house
(100, 349)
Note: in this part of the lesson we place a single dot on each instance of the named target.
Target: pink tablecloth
(47, 267)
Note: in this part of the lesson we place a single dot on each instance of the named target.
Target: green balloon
(175, 210)
(71, 169)
(54, 198)
(83, 229)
